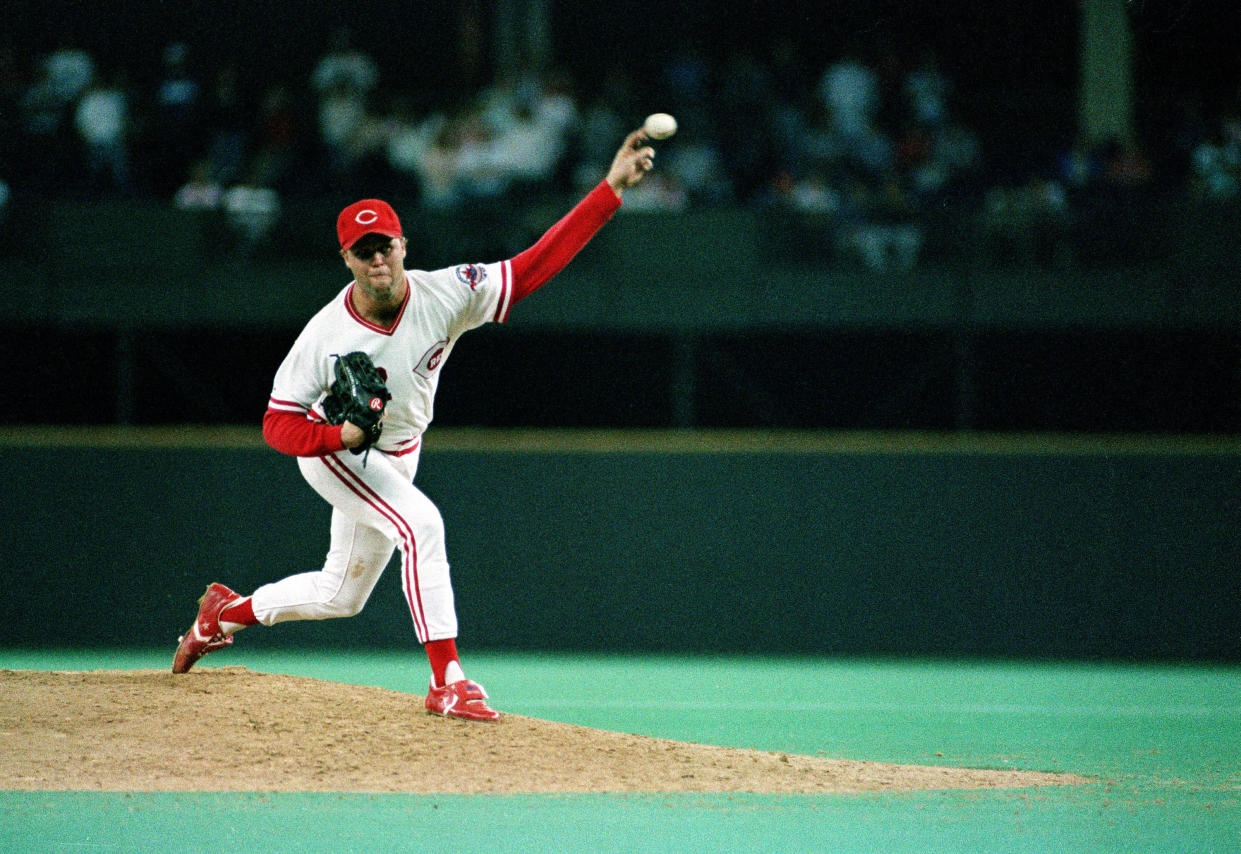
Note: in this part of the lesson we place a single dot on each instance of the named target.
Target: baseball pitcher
(351, 402)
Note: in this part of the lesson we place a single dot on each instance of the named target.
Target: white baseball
(659, 125)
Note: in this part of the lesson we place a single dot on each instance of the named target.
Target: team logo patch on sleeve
(472, 275)
(432, 359)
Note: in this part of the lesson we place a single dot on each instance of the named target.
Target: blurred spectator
(952, 165)
(200, 192)
(432, 156)
(513, 136)
(874, 153)
(368, 148)
(407, 141)
(102, 120)
(849, 89)
(817, 147)
(658, 192)
(695, 163)
(526, 151)
(343, 79)
(45, 144)
(1216, 162)
(850, 93)
(496, 102)
(792, 103)
(435, 163)
(810, 193)
(342, 112)
(927, 90)
(176, 122)
(201, 198)
(251, 211)
(530, 144)
(70, 70)
(46, 110)
(526, 95)
(228, 120)
(597, 128)
(476, 176)
(881, 227)
(344, 65)
(177, 92)
(557, 105)
(1213, 176)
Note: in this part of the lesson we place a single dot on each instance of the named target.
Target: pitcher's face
(378, 266)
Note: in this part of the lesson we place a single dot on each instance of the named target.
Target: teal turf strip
(1162, 742)
(922, 822)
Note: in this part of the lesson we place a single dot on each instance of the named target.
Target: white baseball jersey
(376, 506)
(441, 306)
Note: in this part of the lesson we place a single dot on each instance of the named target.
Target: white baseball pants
(375, 509)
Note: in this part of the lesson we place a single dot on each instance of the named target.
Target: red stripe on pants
(364, 491)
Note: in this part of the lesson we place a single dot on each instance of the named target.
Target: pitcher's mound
(231, 729)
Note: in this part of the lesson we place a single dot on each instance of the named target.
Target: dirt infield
(231, 729)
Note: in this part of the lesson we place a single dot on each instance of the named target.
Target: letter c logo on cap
(366, 217)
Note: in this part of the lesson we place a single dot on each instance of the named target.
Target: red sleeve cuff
(293, 433)
(608, 197)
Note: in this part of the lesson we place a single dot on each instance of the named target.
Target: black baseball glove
(358, 396)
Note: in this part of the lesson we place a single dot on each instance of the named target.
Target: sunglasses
(366, 250)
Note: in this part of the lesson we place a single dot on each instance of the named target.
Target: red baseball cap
(369, 216)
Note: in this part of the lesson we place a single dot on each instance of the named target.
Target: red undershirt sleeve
(554, 250)
(294, 434)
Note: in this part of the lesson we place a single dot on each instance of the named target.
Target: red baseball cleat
(205, 635)
(461, 699)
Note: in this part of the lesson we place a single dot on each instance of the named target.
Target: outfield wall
(712, 318)
(810, 543)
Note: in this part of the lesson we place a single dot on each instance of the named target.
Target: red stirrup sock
(442, 653)
(237, 616)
